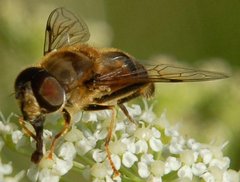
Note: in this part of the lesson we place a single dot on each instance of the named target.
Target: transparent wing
(169, 73)
(64, 29)
(158, 73)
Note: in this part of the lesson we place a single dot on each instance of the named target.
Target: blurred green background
(200, 34)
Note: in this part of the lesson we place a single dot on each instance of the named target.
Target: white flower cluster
(151, 151)
(6, 169)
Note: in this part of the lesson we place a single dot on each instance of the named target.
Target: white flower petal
(172, 164)
(116, 161)
(217, 173)
(103, 115)
(6, 168)
(129, 142)
(162, 121)
(16, 136)
(185, 172)
(157, 168)
(171, 132)
(175, 148)
(85, 145)
(216, 151)
(192, 144)
(148, 115)
(33, 173)
(187, 157)
(93, 117)
(131, 128)
(5, 129)
(67, 151)
(61, 167)
(120, 126)
(50, 178)
(135, 110)
(206, 155)
(155, 144)
(46, 162)
(77, 117)
(143, 133)
(208, 177)
(74, 135)
(117, 147)
(129, 159)
(143, 170)
(99, 170)
(199, 168)
(154, 179)
(231, 175)
(45, 175)
(141, 146)
(109, 179)
(101, 134)
(222, 163)
(99, 155)
(147, 158)
(155, 133)
(178, 140)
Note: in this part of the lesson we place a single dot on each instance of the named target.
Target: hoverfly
(74, 76)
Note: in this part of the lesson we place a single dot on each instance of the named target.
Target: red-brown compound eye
(51, 91)
(48, 91)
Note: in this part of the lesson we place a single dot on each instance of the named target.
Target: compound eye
(48, 92)
(51, 91)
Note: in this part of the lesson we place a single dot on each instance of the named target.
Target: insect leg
(38, 153)
(146, 91)
(128, 93)
(67, 120)
(124, 109)
(26, 130)
(110, 131)
(108, 139)
(38, 127)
